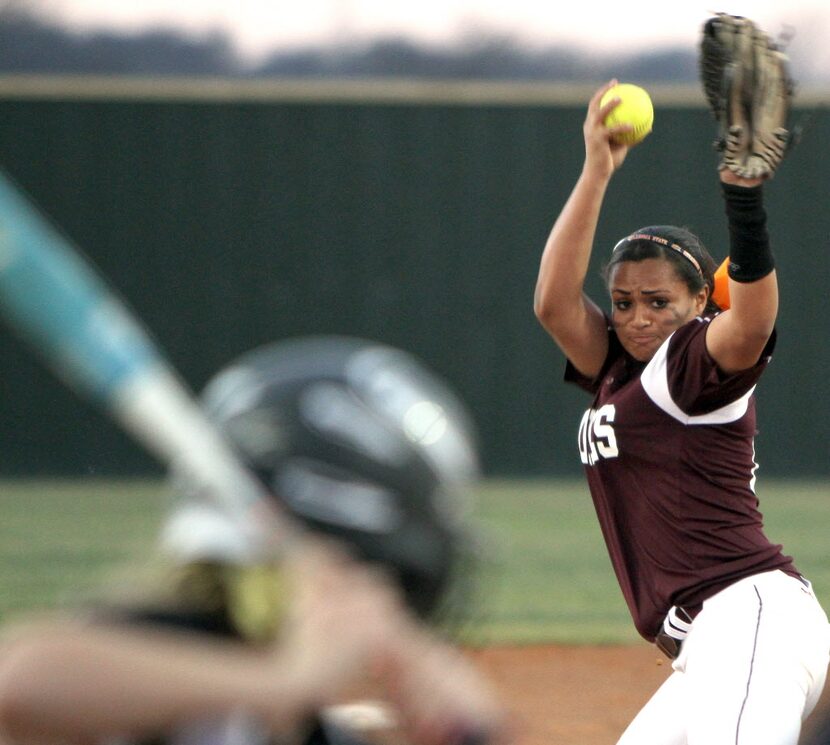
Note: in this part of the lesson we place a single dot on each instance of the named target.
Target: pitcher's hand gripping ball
(635, 108)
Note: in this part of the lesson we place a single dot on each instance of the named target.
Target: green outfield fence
(232, 213)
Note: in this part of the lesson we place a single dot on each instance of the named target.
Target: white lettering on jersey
(596, 435)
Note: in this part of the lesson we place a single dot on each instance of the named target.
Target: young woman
(668, 451)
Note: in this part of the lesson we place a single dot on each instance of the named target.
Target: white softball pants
(750, 671)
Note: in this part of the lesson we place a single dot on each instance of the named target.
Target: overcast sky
(258, 26)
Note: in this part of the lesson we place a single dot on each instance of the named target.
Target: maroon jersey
(668, 448)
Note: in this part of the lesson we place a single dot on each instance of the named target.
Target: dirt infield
(564, 695)
(573, 695)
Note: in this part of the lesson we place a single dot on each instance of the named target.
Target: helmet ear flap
(360, 442)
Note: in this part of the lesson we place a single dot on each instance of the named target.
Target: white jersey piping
(655, 382)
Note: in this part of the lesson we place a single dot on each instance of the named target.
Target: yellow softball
(635, 108)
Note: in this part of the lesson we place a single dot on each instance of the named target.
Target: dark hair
(692, 262)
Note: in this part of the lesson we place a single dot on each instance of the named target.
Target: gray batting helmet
(358, 441)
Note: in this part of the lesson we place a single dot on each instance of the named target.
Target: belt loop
(681, 625)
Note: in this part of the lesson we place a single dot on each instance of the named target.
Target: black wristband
(750, 255)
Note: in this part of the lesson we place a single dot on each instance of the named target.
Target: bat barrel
(53, 297)
(57, 301)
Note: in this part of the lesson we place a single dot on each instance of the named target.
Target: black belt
(676, 627)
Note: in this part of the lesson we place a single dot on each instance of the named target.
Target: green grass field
(545, 576)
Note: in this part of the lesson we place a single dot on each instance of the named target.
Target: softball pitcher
(667, 442)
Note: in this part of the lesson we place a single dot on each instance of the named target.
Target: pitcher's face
(649, 302)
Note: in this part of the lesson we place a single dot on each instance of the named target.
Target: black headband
(663, 242)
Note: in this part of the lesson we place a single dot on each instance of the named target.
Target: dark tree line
(31, 44)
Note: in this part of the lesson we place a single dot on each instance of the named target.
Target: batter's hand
(339, 622)
(441, 697)
(603, 155)
(347, 625)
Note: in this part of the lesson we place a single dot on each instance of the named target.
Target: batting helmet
(358, 441)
